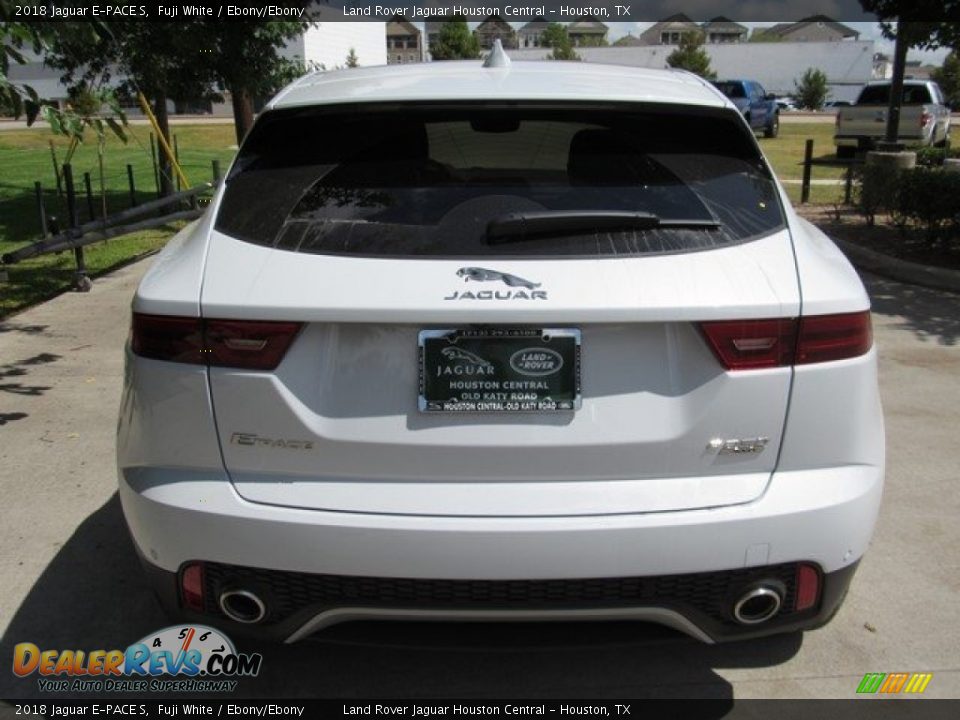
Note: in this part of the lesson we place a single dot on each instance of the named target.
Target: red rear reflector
(808, 587)
(191, 587)
(833, 337)
(752, 344)
(247, 344)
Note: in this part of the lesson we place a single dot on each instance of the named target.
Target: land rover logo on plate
(536, 361)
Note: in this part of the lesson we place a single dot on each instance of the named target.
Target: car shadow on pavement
(93, 595)
(929, 314)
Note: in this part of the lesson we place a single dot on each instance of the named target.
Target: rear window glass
(428, 181)
(731, 89)
(880, 95)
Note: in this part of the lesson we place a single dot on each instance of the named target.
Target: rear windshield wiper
(520, 226)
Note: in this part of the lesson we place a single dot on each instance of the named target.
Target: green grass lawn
(25, 158)
(785, 153)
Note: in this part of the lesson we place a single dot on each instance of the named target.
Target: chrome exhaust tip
(242, 606)
(757, 605)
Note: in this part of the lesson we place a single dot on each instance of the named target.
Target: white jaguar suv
(482, 341)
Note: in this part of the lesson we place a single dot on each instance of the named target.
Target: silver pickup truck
(924, 117)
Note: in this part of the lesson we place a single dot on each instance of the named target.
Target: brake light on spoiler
(778, 342)
(246, 344)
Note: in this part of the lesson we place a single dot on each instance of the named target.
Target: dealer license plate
(500, 370)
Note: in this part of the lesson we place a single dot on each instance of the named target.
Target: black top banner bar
(517, 11)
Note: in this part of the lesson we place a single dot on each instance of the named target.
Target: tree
(352, 59)
(811, 91)
(246, 61)
(162, 60)
(555, 36)
(948, 78)
(912, 29)
(691, 56)
(455, 41)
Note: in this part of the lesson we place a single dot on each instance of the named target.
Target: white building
(776, 66)
(327, 44)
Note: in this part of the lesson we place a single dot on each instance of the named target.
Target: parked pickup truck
(924, 117)
(759, 108)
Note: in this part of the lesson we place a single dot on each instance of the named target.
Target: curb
(928, 276)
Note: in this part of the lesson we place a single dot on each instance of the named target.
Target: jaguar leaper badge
(479, 274)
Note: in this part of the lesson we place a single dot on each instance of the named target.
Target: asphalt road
(69, 577)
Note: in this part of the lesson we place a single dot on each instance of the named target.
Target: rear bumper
(864, 142)
(824, 517)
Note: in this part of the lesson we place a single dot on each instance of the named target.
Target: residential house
(404, 41)
(531, 34)
(724, 30)
(628, 40)
(588, 33)
(670, 30)
(495, 28)
(818, 28)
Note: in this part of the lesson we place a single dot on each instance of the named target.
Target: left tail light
(245, 344)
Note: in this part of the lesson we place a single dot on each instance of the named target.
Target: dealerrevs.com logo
(192, 658)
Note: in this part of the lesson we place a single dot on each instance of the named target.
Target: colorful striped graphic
(893, 683)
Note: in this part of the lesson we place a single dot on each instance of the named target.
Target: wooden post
(153, 159)
(81, 279)
(848, 184)
(41, 211)
(133, 187)
(216, 171)
(56, 169)
(88, 189)
(176, 156)
(807, 162)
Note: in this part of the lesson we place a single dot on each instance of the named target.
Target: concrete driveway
(69, 577)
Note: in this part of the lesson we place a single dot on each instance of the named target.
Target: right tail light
(780, 342)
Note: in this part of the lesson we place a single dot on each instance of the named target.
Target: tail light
(925, 119)
(247, 344)
(808, 587)
(779, 342)
(833, 337)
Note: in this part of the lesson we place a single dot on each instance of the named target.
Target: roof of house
(628, 40)
(587, 27)
(469, 80)
(538, 24)
(674, 22)
(399, 25)
(784, 28)
(722, 24)
(494, 23)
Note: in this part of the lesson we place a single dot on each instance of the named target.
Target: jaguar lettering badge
(479, 274)
(536, 361)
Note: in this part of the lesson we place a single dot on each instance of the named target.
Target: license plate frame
(499, 370)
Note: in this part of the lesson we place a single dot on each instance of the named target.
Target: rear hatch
(595, 239)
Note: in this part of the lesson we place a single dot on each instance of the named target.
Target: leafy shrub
(930, 197)
(934, 156)
(879, 191)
